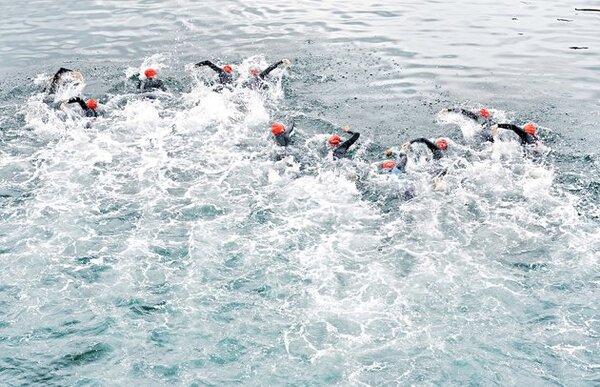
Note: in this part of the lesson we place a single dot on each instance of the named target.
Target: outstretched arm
(525, 137)
(401, 162)
(272, 67)
(79, 101)
(349, 142)
(465, 113)
(56, 79)
(432, 147)
(211, 65)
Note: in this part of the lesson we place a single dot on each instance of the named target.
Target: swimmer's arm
(291, 128)
(211, 65)
(61, 71)
(468, 114)
(348, 143)
(401, 161)
(523, 135)
(79, 101)
(56, 78)
(465, 113)
(432, 147)
(272, 67)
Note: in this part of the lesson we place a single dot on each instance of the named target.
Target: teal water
(169, 243)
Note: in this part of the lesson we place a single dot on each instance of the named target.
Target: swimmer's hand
(345, 129)
(438, 184)
(405, 146)
(286, 62)
(495, 131)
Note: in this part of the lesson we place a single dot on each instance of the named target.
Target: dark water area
(165, 244)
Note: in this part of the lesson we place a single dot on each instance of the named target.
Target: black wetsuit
(437, 152)
(526, 138)
(283, 139)
(257, 81)
(340, 150)
(152, 84)
(86, 110)
(55, 82)
(401, 160)
(486, 123)
(224, 77)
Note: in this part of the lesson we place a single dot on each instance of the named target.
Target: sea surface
(170, 242)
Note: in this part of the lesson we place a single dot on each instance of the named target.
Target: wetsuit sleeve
(161, 85)
(525, 137)
(401, 162)
(56, 78)
(432, 147)
(78, 101)
(437, 152)
(291, 128)
(272, 67)
(349, 142)
(467, 113)
(211, 65)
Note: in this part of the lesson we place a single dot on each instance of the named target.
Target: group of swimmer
(151, 83)
(282, 135)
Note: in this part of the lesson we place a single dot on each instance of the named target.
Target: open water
(170, 242)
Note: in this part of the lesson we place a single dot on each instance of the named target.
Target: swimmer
(483, 117)
(151, 83)
(282, 135)
(61, 77)
(340, 148)
(527, 134)
(225, 74)
(89, 107)
(257, 77)
(437, 148)
(394, 167)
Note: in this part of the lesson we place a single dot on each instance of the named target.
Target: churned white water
(171, 242)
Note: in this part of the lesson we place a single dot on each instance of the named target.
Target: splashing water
(169, 241)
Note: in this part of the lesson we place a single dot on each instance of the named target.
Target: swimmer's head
(388, 164)
(335, 140)
(254, 72)
(485, 113)
(441, 143)
(150, 73)
(277, 128)
(92, 104)
(530, 128)
(228, 69)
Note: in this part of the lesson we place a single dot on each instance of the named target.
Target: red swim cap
(92, 104)
(485, 113)
(150, 73)
(228, 69)
(388, 164)
(441, 143)
(335, 139)
(277, 128)
(254, 72)
(530, 128)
